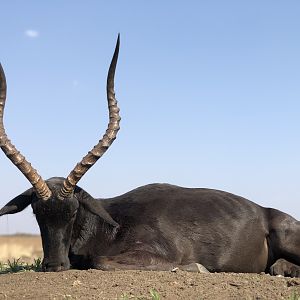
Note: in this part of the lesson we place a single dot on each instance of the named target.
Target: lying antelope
(154, 227)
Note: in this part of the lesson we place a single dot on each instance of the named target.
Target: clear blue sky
(209, 93)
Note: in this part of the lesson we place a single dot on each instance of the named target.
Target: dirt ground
(123, 285)
(94, 284)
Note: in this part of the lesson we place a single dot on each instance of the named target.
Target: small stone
(76, 283)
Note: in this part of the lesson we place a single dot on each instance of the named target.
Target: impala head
(55, 202)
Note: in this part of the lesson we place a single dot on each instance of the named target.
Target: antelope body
(154, 227)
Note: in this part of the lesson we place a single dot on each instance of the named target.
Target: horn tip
(118, 41)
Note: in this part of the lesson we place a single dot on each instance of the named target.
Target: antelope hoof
(194, 267)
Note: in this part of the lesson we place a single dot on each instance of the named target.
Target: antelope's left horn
(14, 155)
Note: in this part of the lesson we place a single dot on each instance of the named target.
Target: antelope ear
(17, 204)
(95, 207)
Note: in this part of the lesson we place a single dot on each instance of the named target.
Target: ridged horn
(111, 132)
(14, 155)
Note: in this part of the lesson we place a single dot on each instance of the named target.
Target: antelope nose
(55, 267)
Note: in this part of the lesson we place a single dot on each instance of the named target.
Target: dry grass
(27, 248)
